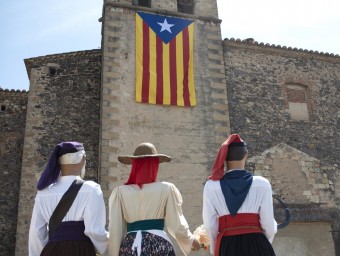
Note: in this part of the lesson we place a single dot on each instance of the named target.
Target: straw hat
(143, 150)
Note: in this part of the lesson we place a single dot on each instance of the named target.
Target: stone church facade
(283, 101)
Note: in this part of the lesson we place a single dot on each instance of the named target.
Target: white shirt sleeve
(38, 235)
(95, 219)
(117, 222)
(266, 213)
(210, 217)
(175, 221)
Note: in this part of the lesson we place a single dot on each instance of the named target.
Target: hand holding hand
(196, 246)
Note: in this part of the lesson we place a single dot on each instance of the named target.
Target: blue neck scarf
(235, 186)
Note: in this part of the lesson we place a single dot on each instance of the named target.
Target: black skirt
(255, 244)
(69, 248)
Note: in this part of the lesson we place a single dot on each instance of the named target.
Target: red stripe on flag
(159, 70)
(173, 72)
(186, 49)
(146, 64)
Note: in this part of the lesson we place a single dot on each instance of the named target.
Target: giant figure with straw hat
(142, 208)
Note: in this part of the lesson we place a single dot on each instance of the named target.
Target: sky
(33, 28)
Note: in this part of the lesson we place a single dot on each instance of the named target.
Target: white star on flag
(165, 26)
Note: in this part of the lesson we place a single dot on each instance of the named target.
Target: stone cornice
(12, 91)
(278, 49)
(63, 55)
(30, 62)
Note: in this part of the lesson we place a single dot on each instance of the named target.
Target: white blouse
(259, 200)
(88, 206)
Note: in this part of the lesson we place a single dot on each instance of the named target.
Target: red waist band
(241, 223)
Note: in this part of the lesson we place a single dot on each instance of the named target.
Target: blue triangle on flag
(164, 26)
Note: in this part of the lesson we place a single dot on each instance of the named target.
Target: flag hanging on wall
(164, 60)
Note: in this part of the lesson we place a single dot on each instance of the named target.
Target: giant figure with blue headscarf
(237, 206)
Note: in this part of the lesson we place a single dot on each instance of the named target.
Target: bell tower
(191, 135)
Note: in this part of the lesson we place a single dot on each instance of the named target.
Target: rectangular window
(297, 102)
(145, 3)
(185, 6)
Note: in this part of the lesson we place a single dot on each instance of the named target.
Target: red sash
(241, 223)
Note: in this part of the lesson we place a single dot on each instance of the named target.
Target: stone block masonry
(63, 105)
(259, 82)
(12, 126)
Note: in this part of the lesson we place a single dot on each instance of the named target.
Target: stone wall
(12, 127)
(257, 79)
(63, 105)
(191, 135)
(284, 104)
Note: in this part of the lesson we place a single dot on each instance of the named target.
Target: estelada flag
(164, 60)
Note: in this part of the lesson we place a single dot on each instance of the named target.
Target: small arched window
(185, 6)
(297, 96)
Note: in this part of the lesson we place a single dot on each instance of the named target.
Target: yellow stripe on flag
(139, 57)
(179, 69)
(153, 71)
(191, 66)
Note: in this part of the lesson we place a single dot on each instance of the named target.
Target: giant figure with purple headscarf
(81, 228)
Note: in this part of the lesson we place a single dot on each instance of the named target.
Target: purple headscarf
(52, 169)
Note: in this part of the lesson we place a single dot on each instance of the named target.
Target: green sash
(146, 225)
